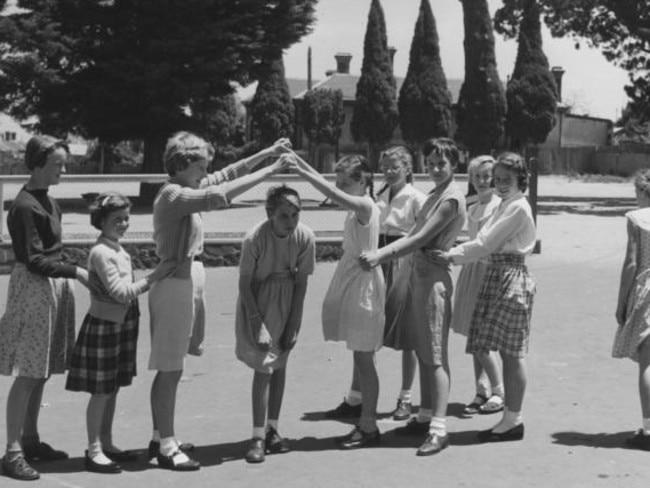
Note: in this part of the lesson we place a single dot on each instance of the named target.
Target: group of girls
(412, 314)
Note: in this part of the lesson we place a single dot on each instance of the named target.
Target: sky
(591, 85)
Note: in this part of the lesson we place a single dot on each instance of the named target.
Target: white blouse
(398, 215)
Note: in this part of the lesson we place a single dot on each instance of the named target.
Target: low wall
(605, 160)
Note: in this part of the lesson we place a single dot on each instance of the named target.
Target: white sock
(438, 426)
(509, 421)
(646, 426)
(482, 389)
(96, 453)
(354, 398)
(272, 423)
(258, 432)
(405, 396)
(498, 390)
(424, 416)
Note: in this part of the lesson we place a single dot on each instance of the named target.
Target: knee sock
(646, 426)
(438, 426)
(508, 421)
(354, 398)
(405, 396)
(424, 416)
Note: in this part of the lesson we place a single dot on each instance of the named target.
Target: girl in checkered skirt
(103, 358)
(501, 319)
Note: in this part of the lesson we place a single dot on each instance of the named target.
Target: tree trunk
(154, 147)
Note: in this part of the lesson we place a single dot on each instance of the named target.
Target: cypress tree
(424, 100)
(531, 92)
(481, 108)
(323, 115)
(375, 110)
(272, 108)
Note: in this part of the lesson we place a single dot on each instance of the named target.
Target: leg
(365, 362)
(644, 378)
(260, 400)
(404, 406)
(514, 379)
(106, 433)
(95, 419)
(30, 428)
(351, 405)
(19, 407)
(276, 393)
(163, 401)
(481, 377)
(490, 364)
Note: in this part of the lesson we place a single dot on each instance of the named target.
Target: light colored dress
(418, 306)
(274, 263)
(636, 329)
(472, 274)
(353, 309)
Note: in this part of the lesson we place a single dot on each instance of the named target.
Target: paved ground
(580, 404)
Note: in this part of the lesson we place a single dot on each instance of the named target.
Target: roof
(348, 85)
(296, 86)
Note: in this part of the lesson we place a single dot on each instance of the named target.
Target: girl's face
(349, 185)
(54, 167)
(440, 169)
(505, 182)
(642, 198)
(395, 172)
(284, 219)
(193, 174)
(116, 224)
(482, 178)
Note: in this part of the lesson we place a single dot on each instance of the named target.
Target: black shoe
(639, 441)
(168, 462)
(413, 428)
(274, 443)
(433, 445)
(154, 448)
(403, 410)
(122, 456)
(18, 468)
(94, 467)
(358, 439)
(514, 434)
(256, 452)
(344, 411)
(43, 452)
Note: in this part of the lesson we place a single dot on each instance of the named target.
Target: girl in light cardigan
(104, 356)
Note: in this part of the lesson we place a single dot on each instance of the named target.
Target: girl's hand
(82, 276)
(621, 312)
(440, 257)
(283, 163)
(368, 260)
(288, 339)
(281, 146)
(263, 338)
(163, 270)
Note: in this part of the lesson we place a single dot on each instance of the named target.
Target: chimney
(391, 52)
(558, 72)
(343, 63)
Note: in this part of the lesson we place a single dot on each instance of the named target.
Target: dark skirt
(104, 356)
(501, 319)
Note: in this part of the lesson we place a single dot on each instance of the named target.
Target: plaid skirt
(104, 356)
(501, 319)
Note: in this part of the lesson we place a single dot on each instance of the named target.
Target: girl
(277, 257)
(419, 302)
(501, 318)
(103, 359)
(37, 329)
(486, 400)
(176, 303)
(353, 309)
(632, 310)
(399, 203)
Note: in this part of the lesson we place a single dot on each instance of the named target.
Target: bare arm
(255, 320)
(628, 273)
(234, 188)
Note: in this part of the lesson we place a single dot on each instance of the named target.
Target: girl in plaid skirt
(103, 358)
(501, 319)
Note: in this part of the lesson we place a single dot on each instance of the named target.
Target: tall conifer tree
(375, 110)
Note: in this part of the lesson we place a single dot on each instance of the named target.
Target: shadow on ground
(605, 440)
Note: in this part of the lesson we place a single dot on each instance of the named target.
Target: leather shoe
(43, 452)
(344, 411)
(18, 468)
(256, 452)
(154, 448)
(122, 456)
(402, 411)
(358, 439)
(639, 441)
(94, 467)
(413, 428)
(274, 443)
(433, 445)
(514, 434)
(169, 462)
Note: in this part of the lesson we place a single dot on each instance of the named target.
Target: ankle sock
(405, 396)
(646, 426)
(272, 424)
(258, 432)
(508, 421)
(498, 390)
(354, 398)
(424, 416)
(438, 426)
(155, 436)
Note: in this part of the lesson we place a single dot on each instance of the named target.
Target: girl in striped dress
(501, 318)
(104, 356)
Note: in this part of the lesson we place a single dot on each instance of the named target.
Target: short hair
(356, 167)
(517, 164)
(642, 181)
(39, 148)
(477, 162)
(443, 147)
(183, 149)
(104, 204)
(402, 155)
(277, 195)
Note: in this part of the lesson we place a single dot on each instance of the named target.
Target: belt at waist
(385, 239)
